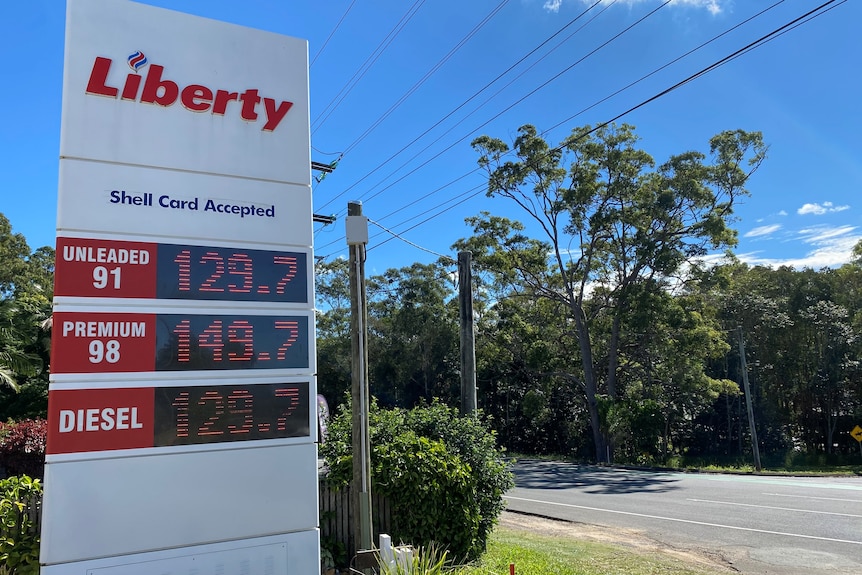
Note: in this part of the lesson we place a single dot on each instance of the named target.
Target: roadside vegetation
(601, 335)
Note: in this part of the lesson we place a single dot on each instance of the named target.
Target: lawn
(537, 554)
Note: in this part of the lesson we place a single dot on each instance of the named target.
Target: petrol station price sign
(103, 342)
(86, 420)
(124, 269)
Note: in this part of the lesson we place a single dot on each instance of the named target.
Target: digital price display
(126, 418)
(216, 414)
(192, 342)
(122, 269)
(131, 342)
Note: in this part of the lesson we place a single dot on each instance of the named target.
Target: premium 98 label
(129, 342)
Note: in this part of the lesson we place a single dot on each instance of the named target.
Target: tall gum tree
(613, 220)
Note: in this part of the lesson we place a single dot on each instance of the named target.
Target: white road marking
(810, 497)
(685, 521)
(771, 507)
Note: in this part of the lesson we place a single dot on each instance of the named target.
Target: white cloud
(820, 209)
(762, 231)
(782, 213)
(832, 247)
(713, 6)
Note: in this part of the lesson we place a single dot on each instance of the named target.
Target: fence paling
(336, 518)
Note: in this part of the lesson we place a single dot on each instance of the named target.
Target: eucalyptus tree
(613, 220)
(413, 334)
(332, 312)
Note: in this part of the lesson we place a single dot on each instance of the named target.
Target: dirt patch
(630, 538)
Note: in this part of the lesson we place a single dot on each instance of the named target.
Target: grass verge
(536, 554)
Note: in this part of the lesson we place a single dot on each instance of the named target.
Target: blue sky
(802, 90)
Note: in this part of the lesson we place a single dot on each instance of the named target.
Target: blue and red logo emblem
(137, 60)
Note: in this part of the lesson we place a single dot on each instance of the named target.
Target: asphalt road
(759, 524)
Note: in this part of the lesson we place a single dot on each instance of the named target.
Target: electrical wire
(520, 100)
(427, 75)
(467, 101)
(406, 241)
(795, 23)
(331, 34)
(568, 119)
(366, 66)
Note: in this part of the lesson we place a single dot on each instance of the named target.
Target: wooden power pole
(357, 238)
(468, 334)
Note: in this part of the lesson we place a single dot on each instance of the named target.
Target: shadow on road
(530, 474)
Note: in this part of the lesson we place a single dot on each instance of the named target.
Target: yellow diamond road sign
(857, 433)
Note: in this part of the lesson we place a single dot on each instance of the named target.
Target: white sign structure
(182, 395)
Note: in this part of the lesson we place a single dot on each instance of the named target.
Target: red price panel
(82, 420)
(105, 268)
(99, 419)
(131, 342)
(103, 342)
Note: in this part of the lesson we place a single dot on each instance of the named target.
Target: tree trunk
(590, 384)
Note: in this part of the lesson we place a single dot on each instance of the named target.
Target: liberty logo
(137, 60)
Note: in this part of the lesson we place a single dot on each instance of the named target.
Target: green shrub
(442, 473)
(19, 540)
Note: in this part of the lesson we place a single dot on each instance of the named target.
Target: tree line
(603, 333)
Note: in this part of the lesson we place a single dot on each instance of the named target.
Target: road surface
(758, 524)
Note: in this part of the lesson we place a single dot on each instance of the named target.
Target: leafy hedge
(442, 473)
(19, 539)
(22, 447)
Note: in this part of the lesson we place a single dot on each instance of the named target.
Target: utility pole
(468, 334)
(744, 367)
(357, 238)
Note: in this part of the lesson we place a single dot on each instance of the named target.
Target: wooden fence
(336, 518)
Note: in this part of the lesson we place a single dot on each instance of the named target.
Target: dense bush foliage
(22, 447)
(19, 540)
(443, 473)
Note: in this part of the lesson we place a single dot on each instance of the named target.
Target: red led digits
(184, 280)
(292, 394)
(209, 284)
(240, 265)
(217, 407)
(241, 332)
(234, 412)
(290, 262)
(181, 404)
(293, 329)
(239, 403)
(212, 338)
(183, 331)
(231, 274)
(229, 342)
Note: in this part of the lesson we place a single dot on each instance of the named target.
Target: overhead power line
(366, 66)
(807, 17)
(780, 31)
(464, 103)
(406, 241)
(427, 75)
(331, 34)
(520, 100)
